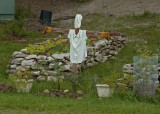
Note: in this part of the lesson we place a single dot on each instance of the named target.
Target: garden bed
(39, 59)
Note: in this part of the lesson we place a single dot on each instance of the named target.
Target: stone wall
(128, 72)
(99, 51)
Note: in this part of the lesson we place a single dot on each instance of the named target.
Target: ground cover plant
(121, 102)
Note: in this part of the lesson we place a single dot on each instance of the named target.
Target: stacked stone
(128, 71)
(41, 66)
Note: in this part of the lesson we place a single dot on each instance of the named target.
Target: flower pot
(104, 90)
(23, 85)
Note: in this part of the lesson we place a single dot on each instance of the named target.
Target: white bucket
(104, 90)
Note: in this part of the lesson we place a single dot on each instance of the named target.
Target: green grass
(120, 102)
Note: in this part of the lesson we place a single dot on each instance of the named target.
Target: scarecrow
(77, 38)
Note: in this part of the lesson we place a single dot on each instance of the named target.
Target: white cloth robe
(78, 51)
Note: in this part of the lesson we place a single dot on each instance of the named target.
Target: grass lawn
(120, 102)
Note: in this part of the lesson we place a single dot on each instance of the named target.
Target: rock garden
(119, 75)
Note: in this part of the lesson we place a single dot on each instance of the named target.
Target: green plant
(144, 50)
(24, 75)
(57, 45)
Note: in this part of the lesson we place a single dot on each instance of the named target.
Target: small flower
(91, 41)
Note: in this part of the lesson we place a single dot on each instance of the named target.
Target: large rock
(33, 56)
(17, 61)
(28, 62)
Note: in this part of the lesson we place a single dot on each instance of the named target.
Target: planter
(104, 90)
(23, 85)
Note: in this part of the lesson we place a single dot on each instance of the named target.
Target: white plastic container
(104, 90)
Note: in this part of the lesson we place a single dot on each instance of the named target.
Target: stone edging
(100, 51)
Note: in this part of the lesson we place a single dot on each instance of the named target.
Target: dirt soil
(62, 8)
(69, 8)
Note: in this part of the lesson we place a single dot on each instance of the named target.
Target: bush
(12, 29)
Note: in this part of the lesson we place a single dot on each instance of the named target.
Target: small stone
(99, 44)
(33, 56)
(80, 92)
(17, 61)
(41, 57)
(35, 73)
(127, 67)
(21, 55)
(50, 59)
(41, 78)
(34, 66)
(20, 68)
(15, 53)
(58, 56)
(52, 73)
(66, 68)
(60, 63)
(46, 91)
(24, 51)
(112, 52)
(120, 80)
(104, 52)
(104, 58)
(89, 64)
(128, 71)
(13, 66)
(51, 66)
(44, 72)
(27, 62)
(51, 78)
(99, 58)
(66, 91)
(97, 53)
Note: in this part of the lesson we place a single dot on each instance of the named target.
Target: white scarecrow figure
(77, 38)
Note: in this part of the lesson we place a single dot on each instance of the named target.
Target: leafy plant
(57, 45)
(24, 75)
